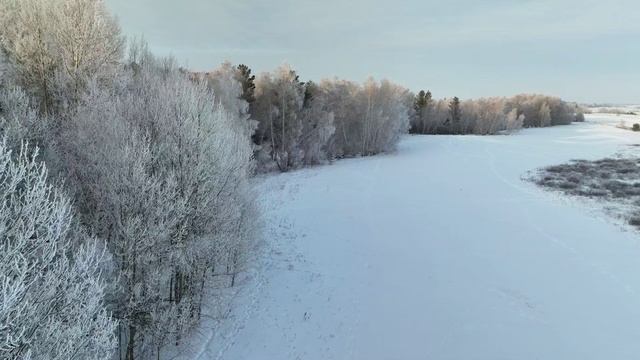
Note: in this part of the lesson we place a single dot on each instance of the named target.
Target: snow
(440, 251)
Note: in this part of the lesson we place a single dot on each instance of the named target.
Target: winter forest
(126, 179)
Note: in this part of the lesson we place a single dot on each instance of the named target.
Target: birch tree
(369, 118)
(340, 97)
(279, 101)
(317, 125)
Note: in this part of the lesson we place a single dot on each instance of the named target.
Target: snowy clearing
(441, 251)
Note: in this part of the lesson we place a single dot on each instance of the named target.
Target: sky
(580, 50)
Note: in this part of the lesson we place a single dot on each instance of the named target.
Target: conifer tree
(421, 104)
(455, 115)
(244, 77)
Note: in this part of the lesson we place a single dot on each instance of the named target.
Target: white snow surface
(440, 251)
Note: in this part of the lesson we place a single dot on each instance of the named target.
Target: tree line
(296, 123)
(488, 116)
(124, 178)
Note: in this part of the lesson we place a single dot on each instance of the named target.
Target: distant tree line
(297, 123)
(489, 115)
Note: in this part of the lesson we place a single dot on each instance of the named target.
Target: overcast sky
(580, 50)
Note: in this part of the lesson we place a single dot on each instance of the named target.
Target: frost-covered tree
(535, 113)
(3, 70)
(514, 121)
(339, 96)
(230, 92)
(317, 125)
(544, 115)
(384, 115)
(52, 291)
(19, 121)
(487, 116)
(279, 101)
(25, 40)
(160, 170)
(54, 47)
(308, 123)
(369, 118)
(439, 121)
(87, 42)
(121, 199)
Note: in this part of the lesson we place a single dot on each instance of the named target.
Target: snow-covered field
(440, 251)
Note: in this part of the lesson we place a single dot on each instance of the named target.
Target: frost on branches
(51, 291)
(161, 173)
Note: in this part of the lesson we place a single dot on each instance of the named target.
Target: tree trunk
(131, 343)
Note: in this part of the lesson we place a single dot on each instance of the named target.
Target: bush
(636, 127)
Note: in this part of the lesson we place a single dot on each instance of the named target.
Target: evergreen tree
(421, 104)
(244, 77)
(310, 91)
(455, 114)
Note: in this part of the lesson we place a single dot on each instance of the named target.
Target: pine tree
(244, 77)
(420, 106)
(455, 114)
(310, 92)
